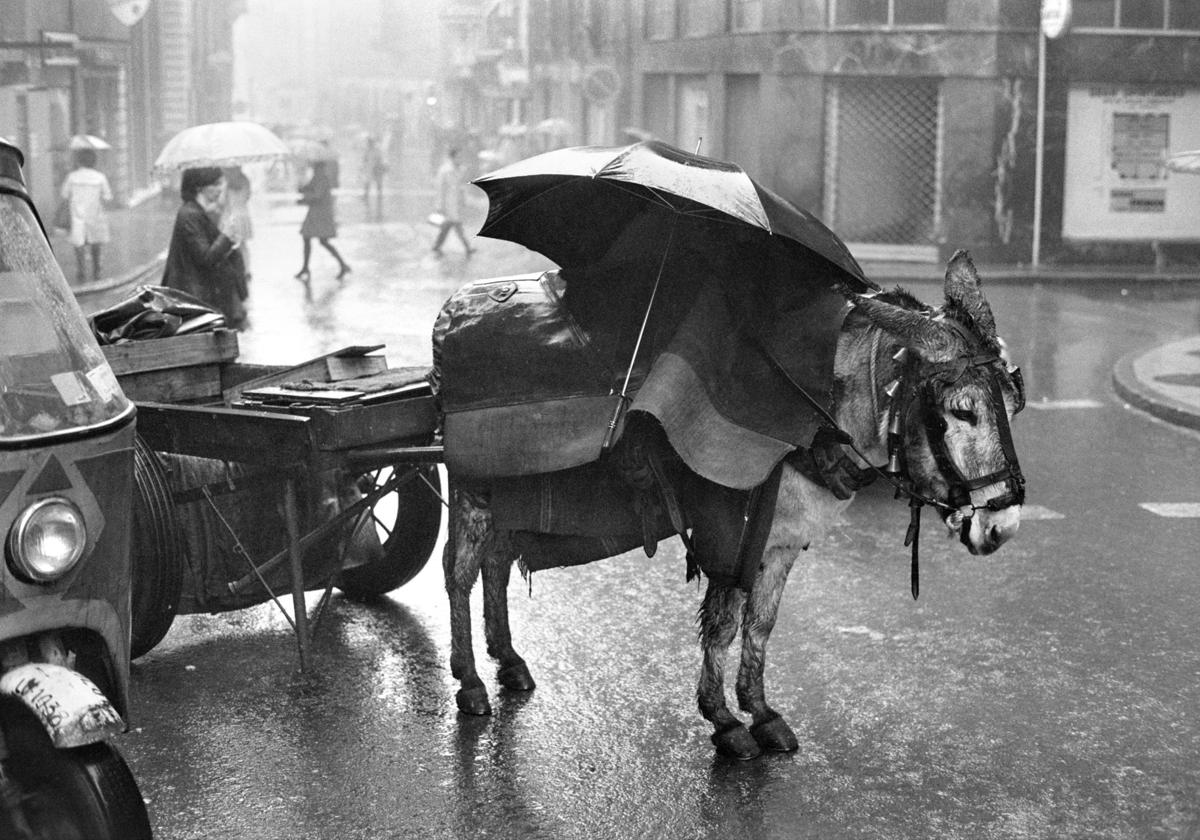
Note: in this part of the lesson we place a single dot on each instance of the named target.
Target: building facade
(909, 126)
(130, 73)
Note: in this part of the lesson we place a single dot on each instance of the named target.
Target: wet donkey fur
(875, 330)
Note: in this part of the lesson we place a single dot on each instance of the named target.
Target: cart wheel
(157, 553)
(86, 793)
(407, 521)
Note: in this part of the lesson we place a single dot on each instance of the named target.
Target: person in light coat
(87, 191)
(451, 190)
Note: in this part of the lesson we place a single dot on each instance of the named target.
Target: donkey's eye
(965, 415)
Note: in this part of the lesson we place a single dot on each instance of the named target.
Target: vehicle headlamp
(47, 540)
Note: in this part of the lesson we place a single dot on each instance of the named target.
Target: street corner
(1163, 381)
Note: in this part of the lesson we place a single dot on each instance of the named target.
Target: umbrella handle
(611, 432)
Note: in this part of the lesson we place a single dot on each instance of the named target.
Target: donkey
(929, 390)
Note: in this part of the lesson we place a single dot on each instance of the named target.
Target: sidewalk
(1164, 381)
(134, 255)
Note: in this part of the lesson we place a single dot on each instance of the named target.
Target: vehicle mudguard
(70, 706)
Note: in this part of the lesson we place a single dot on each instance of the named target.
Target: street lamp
(1056, 18)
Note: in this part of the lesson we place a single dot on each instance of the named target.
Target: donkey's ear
(933, 341)
(962, 288)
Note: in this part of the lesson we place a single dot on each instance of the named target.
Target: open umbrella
(88, 141)
(220, 144)
(1185, 162)
(656, 226)
(575, 204)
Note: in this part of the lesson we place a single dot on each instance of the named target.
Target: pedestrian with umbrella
(86, 190)
(201, 260)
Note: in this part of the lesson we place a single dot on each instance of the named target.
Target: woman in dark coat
(319, 223)
(201, 260)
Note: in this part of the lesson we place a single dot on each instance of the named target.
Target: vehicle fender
(70, 706)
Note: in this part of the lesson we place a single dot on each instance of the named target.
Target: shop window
(745, 15)
(889, 12)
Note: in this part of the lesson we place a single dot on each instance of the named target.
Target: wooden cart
(338, 431)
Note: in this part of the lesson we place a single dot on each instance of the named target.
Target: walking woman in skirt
(319, 222)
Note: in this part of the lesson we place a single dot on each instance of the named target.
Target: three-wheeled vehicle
(66, 484)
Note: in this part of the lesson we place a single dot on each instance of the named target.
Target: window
(889, 12)
(660, 20)
(698, 18)
(691, 112)
(1136, 14)
(745, 15)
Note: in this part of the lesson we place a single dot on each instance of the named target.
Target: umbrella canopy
(1185, 162)
(88, 141)
(220, 144)
(586, 205)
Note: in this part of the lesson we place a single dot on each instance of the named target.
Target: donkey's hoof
(736, 742)
(775, 735)
(516, 677)
(473, 701)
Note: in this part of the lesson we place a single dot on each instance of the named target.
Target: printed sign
(1117, 185)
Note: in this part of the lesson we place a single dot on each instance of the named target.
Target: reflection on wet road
(1049, 691)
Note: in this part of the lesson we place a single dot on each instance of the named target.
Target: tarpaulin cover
(525, 375)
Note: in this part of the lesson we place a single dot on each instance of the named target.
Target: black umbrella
(573, 205)
(668, 218)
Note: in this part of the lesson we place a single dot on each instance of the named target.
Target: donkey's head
(958, 393)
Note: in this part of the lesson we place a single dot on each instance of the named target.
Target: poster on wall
(1117, 184)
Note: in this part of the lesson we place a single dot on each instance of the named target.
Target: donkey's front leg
(497, 566)
(718, 625)
(762, 606)
(468, 538)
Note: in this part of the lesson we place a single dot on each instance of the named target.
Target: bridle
(938, 377)
(921, 380)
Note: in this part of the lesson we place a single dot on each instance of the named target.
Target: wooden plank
(314, 370)
(254, 437)
(178, 351)
(180, 384)
(350, 367)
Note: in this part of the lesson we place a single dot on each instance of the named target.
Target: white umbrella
(1185, 162)
(220, 144)
(88, 141)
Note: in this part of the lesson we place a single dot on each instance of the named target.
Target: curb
(1133, 391)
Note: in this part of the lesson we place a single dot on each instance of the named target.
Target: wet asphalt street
(1051, 690)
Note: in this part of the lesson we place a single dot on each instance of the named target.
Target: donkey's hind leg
(762, 606)
(497, 566)
(719, 614)
(469, 538)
